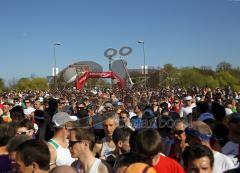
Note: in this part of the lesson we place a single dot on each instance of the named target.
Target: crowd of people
(168, 130)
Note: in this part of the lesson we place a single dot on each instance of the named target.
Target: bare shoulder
(97, 147)
(104, 167)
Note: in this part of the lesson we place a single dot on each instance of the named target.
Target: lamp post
(144, 63)
(55, 63)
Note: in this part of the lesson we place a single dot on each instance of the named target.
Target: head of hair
(34, 150)
(25, 123)
(111, 115)
(202, 106)
(202, 128)
(125, 112)
(194, 152)
(148, 142)
(16, 141)
(181, 120)
(85, 134)
(121, 134)
(17, 113)
(6, 133)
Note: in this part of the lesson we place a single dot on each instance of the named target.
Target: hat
(60, 118)
(39, 115)
(140, 168)
(206, 116)
(187, 98)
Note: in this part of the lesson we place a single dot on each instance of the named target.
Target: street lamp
(144, 64)
(55, 63)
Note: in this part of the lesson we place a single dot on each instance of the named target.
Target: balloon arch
(109, 74)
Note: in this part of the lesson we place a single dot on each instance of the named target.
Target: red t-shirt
(168, 165)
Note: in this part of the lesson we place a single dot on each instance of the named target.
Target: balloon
(70, 75)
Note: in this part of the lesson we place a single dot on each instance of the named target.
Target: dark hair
(25, 123)
(121, 134)
(6, 133)
(125, 112)
(85, 134)
(34, 150)
(16, 141)
(194, 152)
(148, 142)
(202, 106)
(17, 113)
(129, 158)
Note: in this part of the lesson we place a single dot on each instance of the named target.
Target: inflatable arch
(109, 74)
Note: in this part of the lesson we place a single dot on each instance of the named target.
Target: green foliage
(32, 84)
(186, 77)
(223, 66)
(2, 85)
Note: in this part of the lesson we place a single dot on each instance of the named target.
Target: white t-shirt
(222, 163)
(184, 111)
(231, 149)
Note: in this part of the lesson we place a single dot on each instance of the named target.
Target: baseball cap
(60, 118)
(206, 116)
(140, 168)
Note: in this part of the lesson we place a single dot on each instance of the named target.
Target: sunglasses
(178, 132)
(22, 133)
(72, 143)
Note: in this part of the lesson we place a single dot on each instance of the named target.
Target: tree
(223, 66)
(2, 85)
(32, 84)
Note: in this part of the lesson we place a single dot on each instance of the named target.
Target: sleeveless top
(106, 150)
(93, 169)
(63, 156)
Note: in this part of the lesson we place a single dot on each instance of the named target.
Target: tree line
(185, 77)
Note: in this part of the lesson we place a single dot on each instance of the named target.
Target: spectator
(12, 146)
(187, 107)
(200, 133)
(25, 127)
(39, 160)
(81, 143)
(198, 158)
(179, 136)
(149, 144)
(6, 116)
(6, 133)
(58, 145)
(17, 114)
(125, 119)
(105, 146)
(29, 110)
(121, 138)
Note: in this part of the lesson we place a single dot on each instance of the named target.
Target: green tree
(32, 84)
(223, 66)
(2, 85)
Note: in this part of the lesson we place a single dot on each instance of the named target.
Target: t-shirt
(168, 165)
(231, 149)
(184, 111)
(222, 163)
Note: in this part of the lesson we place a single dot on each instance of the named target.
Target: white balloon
(70, 75)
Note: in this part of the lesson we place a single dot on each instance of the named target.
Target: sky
(179, 32)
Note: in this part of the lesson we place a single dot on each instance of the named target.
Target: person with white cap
(58, 145)
(187, 107)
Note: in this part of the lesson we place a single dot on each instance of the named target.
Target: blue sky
(180, 32)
